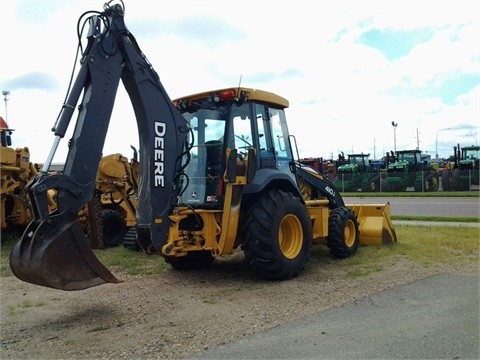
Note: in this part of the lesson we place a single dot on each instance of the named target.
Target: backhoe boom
(110, 55)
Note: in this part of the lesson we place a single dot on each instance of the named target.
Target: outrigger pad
(58, 257)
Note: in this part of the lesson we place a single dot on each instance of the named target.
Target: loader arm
(53, 251)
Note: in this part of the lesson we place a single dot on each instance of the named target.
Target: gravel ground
(177, 314)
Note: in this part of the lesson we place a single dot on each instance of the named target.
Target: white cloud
(340, 91)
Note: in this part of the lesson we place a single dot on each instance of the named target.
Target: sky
(360, 76)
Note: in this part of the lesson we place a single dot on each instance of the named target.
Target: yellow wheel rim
(290, 236)
(349, 233)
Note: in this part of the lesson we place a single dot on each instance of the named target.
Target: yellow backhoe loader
(16, 171)
(110, 216)
(218, 171)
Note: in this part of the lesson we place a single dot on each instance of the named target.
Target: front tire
(277, 236)
(343, 234)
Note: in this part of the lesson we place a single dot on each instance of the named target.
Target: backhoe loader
(109, 217)
(218, 171)
(16, 171)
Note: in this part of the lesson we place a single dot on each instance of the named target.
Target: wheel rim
(290, 236)
(349, 233)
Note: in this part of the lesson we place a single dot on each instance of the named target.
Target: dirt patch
(177, 314)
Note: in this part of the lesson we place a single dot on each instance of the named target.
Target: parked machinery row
(401, 171)
(106, 219)
(464, 171)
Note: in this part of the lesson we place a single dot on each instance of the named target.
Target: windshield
(413, 158)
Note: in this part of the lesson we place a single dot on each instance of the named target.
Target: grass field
(425, 245)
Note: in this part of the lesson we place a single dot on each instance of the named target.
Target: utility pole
(418, 141)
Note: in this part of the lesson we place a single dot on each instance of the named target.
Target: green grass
(23, 306)
(436, 218)
(130, 262)
(425, 246)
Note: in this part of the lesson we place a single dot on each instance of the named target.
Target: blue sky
(348, 68)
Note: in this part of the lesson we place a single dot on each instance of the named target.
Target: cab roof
(237, 93)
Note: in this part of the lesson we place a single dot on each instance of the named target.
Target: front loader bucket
(375, 224)
(59, 257)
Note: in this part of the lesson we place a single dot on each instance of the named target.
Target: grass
(440, 245)
(425, 245)
(22, 306)
(118, 258)
(132, 262)
(436, 218)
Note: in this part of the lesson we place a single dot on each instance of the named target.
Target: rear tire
(277, 236)
(457, 183)
(343, 234)
(385, 186)
(373, 185)
(114, 228)
(447, 181)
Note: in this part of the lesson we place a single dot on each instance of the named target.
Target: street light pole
(394, 124)
(5, 98)
(436, 141)
(476, 142)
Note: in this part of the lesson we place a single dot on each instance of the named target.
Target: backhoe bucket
(58, 257)
(375, 224)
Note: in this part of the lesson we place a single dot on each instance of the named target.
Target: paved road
(433, 318)
(467, 206)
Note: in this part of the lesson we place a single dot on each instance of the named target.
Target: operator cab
(241, 119)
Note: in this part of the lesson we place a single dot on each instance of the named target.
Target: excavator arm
(53, 250)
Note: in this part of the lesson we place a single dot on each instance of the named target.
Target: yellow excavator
(219, 171)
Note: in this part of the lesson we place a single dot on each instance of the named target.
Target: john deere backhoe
(218, 171)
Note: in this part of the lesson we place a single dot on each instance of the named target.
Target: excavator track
(130, 240)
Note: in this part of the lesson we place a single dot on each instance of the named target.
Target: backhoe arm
(53, 250)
